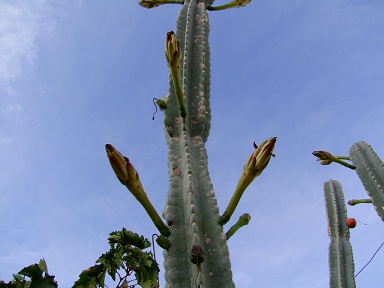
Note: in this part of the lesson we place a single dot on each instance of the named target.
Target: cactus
(194, 242)
(341, 265)
(370, 170)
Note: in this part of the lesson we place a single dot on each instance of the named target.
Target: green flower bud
(163, 242)
(241, 3)
(172, 50)
(148, 3)
(243, 220)
(173, 55)
(324, 157)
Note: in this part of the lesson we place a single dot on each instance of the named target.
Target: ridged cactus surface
(370, 170)
(191, 207)
(341, 265)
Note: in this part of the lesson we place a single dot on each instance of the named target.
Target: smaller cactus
(341, 265)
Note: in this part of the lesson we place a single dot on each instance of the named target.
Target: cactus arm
(341, 265)
(370, 170)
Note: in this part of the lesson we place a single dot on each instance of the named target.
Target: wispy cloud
(20, 25)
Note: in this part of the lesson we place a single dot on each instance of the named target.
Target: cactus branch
(129, 177)
(243, 220)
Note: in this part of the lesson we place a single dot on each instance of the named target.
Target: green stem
(178, 91)
(151, 211)
(343, 157)
(223, 219)
(353, 202)
(337, 159)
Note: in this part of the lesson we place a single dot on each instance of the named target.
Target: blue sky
(75, 75)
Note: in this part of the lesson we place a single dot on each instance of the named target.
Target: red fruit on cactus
(351, 222)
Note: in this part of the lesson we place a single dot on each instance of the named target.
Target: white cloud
(20, 24)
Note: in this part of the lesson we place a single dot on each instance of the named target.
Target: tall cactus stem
(370, 170)
(341, 265)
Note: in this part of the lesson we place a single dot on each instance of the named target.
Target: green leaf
(37, 279)
(92, 277)
(126, 237)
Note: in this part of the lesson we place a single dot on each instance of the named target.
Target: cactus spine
(341, 265)
(370, 170)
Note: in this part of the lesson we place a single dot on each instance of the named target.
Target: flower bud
(172, 50)
(148, 3)
(196, 254)
(259, 160)
(241, 3)
(124, 170)
(324, 158)
(173, 55)
(255, 165)
(243, 220)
